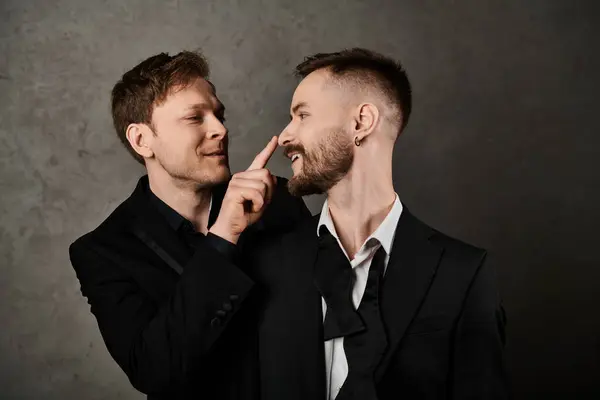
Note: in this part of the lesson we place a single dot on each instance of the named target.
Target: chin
(300, 185)
(222, 174)
(213, 177)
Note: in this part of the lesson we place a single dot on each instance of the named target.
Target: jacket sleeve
(156, 345)
(479, 370)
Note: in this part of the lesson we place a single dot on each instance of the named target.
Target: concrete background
(501, 151)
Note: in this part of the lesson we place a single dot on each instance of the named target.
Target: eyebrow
(297, 107)
(204, 107)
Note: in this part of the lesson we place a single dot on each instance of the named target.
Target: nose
(285, 137)
(218, 130)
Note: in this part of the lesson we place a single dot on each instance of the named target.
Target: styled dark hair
(148, 84)
(366, 67)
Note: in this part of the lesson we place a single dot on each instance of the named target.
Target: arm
(156, 345)
(478, 364)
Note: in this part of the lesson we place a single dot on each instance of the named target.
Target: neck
(359, 203)
(187, 198)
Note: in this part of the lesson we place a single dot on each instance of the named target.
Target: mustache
(294, 148)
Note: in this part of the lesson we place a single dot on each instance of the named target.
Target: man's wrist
(223, 246)
(217, 230)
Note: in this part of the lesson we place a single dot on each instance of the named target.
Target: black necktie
(365, 349)
(334, 278)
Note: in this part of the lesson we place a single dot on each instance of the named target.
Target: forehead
(198, 92)
(312, 88)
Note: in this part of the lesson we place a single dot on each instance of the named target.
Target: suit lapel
(411, 268)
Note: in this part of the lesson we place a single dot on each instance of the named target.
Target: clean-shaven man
(164, 273)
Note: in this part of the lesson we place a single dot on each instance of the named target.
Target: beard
(323, 167)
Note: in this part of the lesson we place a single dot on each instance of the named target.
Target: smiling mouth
(216, 154)
(295, 157)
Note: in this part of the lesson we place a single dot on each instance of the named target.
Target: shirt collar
(174, 219)
(384, 234)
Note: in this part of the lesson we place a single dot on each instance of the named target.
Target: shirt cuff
(223, 246)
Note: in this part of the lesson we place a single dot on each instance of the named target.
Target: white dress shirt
(336, 363)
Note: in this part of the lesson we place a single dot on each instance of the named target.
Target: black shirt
(188, 234)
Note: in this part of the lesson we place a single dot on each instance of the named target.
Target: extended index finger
(261, 159)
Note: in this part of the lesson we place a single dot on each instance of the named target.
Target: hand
(248, 194)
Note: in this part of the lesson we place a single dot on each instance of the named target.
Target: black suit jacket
(441, 310)
(180, 325)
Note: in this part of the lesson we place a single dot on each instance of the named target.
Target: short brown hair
(366, 67)
(148, 84)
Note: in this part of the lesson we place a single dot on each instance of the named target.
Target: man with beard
(164, 272)
(364, 301)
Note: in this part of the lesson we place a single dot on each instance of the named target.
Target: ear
(140, 138)
(365, 121)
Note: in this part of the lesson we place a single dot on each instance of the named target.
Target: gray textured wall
(501, 151)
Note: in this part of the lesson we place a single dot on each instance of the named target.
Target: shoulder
(456, 254)
(118, 222)
(457, 248)
(114, 226)
(410, 225)
(459, 263)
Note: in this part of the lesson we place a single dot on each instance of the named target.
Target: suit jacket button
(234, 297)
(227, 306)
(221, 313)
(215, 322)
